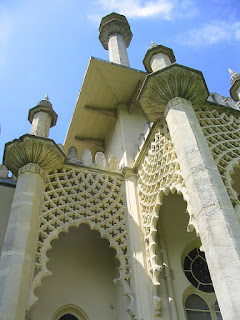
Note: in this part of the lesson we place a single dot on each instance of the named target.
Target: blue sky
(45, 47)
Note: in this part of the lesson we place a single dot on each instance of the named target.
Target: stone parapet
(29, 149)
(171, 82)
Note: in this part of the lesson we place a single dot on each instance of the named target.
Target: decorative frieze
(31, 167)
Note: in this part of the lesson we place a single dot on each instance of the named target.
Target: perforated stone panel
(75, 196)
(159, 174)
(222, 131)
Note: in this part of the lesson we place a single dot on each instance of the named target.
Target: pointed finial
(234, 76)
(46, 97)
(153, 44)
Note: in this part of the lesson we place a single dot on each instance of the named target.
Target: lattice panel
(222, 132)
(159, 174)
(78, 196)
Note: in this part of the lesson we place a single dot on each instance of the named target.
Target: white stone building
(136, 217)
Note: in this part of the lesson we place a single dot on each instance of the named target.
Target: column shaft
(214, 214)
(140, 281)
(19, 247)
(117, 50)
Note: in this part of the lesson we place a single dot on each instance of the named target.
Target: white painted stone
(86, 157)
(41, 124)
(215, 217)
(72, 153)
(113, 163)
(20, 245)
(117, 50)
(100, 159)
(3, 172)
(159, 61)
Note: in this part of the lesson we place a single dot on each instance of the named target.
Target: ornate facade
(137, 215)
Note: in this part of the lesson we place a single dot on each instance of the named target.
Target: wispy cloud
(212, 33)
(136, 8)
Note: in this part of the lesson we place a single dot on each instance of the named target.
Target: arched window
(196, 308)
(68, 317)
(70, 312)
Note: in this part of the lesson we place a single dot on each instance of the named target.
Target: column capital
(30, 149)
(175, 102)
(32, 167)
(164, 85)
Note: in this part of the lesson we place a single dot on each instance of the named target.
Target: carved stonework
(159, 174)
(222, 131)
(80, 196)
(168, 83)
(31, 167)
(32, 149)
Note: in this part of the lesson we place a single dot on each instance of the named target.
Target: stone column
(214, 214)
(141, 284)
(179, 88)
(115, 36)
(28, 157)
(20, 243)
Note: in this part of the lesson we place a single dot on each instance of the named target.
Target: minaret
(42, 117)
(235, 88)
(115, 36)
(158, 57)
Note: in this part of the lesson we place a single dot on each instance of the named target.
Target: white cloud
(137, 8)
(212, 33)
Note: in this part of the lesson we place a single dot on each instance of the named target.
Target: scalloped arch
(73, 197)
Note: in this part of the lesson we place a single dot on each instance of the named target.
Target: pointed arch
(70, 309)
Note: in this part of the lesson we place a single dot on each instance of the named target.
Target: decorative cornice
(32, 167)
(114, 23)
(155, 49)
(171, 82)
(32, 149)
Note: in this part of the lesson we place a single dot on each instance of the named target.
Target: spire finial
(234, 76)
(46, 97)
(153, 44)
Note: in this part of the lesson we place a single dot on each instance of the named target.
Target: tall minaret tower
(115, 36)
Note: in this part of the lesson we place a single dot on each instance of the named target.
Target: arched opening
(83, 268)
(172, 237)
(68, 316)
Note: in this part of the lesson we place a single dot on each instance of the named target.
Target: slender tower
(115, 36)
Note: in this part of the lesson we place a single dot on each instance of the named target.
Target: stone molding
(112, 24)
(164, 85)
(74, 196)
(32, 149)
(32, 167)
(43, 108)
